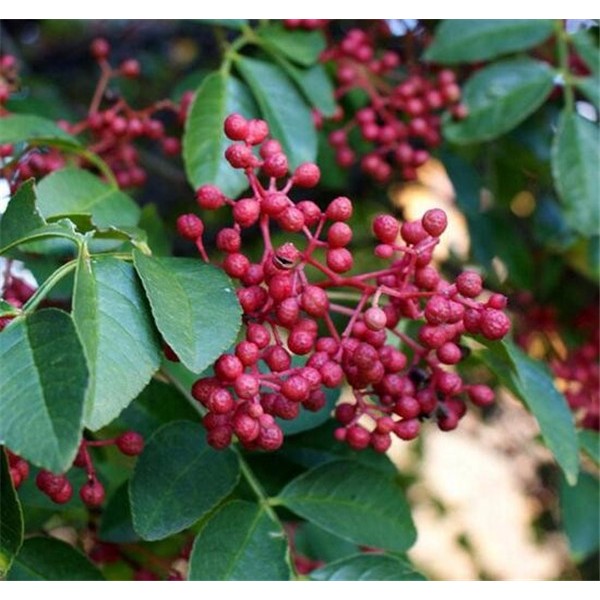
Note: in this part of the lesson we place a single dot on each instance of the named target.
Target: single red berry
(210, 197)
(449, 353)
(469, 284)
(130, 443)
(130, 68)
(270, 438)
(300, 342)
(64, 494)
(339, 235)
(375, 318)
(291, 219)
(258, 130)
(246, 386)
(412, 232)
(246, 212)
(307, 175)
(386, 228)
(240, 156)
(357, 437)
(296, 388)
(229, 240)
(277, 359)
(228, 367)
(494, 324)
(276, 165)
(314, 301)
(247, 352)
(407, 429)
(437, 310)
(221, 401)
(381, 442)
(235, 265)
(312, 213)
(236, 127)
(190, 226)
(258, 334)
(220, 437)
(270, 147)
(100, 48)
(274, 204)
(340, 209)
(203, 388)
(481, 395)
(92, 493)
(339, 260)
(434, 222)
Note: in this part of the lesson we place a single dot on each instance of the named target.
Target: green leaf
(204, 142)
(43, 381)
(499, 97)
(157, 405)
(74, 191)
(315, 86)
(116, 525)
(114, 323)
(474, 40)
(49, 559)
(590, 88)
(589, 442)
(230, 23)
(178, 479)
(354, 502)
(532, 383)
(284, 109)
(368, 567)
(317, 544)
(194, 307)
(587, 50)
(309, 420)
(11, 518)
(22, 215)
(579, 512)
(34, 129)
(575, 167)
(239, 542)
(303, 47)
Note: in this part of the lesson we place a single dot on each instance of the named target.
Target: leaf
(74, 191)
(157, 405)
(317, 544)
(11, 518)
(32, 129)
(314, 84)
(303, 47)
(589, 442)
(43, 381)
(115, 327)
(474, 40)
(178, 479)
(49, 559)
(116, 525)
(532, 383)
(194, 306)
(579, 513)
(152, 224)
(284, 109)
(231, 23)
(368, 567)
(239, 542)
(590, 88)
(587, 50)
(22, 215)
(575, 167)
(354, 502)
(204, 142)
(499, 97)
(309, 420)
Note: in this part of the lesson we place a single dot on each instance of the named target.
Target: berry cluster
(111, 131)
(289, 301)
(58, 487)
(400, 121)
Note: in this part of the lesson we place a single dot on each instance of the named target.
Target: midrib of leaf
(244, 543)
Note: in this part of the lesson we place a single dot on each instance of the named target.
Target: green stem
(248, 37)
(43, 290)
(562, 48)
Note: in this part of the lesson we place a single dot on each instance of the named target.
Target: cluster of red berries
(112, 131)
(580, 372)
(287, 315)
(401, 121)
(58, 487)
(9, 79)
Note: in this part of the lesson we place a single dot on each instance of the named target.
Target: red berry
(314, 301)
(258, 130)
(407, 429)
(296, 388)
(307, 175)
(274, 204)
(92, 493)
(229, 240)
(339, 260)
(64, 494)
(276, 165)
(130, 68)
(190, 226)
(469, 284)
(357, 437)
(210, 197)
(375, 318)
(386, 228)
(130, 443)
(246, 212)
(481, 395)
(339, 235)
(494, 324)
(435, 222)
(228, 367)
(240, 156)
(291, 219)
(246, 386)
(340, 209)
(236, 127)
(100, 48)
